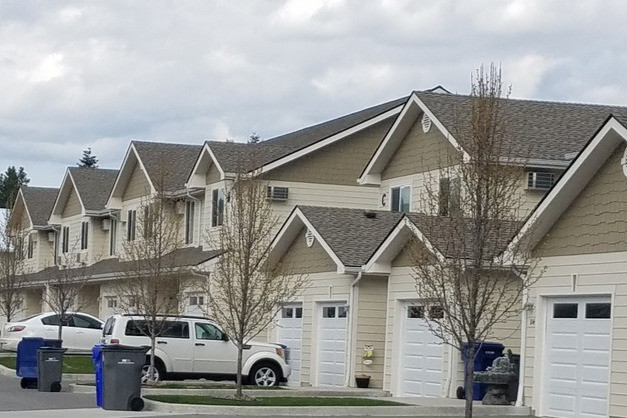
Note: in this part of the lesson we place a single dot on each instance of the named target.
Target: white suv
(195, 347)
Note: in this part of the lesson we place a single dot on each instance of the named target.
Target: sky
(76, 74)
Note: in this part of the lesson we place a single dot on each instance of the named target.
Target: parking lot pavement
(14, 398)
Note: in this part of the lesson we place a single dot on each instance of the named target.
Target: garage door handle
(162, 342)
(200, 344)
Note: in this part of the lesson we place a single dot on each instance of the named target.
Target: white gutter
(352, 312)
(523, 349)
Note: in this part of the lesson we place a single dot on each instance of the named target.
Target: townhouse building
(350, 194)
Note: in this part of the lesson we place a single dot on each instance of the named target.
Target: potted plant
(363, 380)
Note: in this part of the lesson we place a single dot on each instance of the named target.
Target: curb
(67, 377)
(412, 410)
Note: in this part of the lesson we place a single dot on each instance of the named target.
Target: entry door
(332, 344)
(420, 368)
(290, 334)
(577, 353)
(212, 354)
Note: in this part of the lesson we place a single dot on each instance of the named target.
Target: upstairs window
(217, 207)
(131, 222)
(400, 199)
(113, 232)
(84, 235)
(31, 246)
(65, 239)
(449, 197)
(190, 210)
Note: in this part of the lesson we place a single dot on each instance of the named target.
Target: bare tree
(150, 283)
(14, 242)
(467, 287)
(245, 291)
(63, 286)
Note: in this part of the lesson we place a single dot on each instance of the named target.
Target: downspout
(352, 311)
(449, 377)
(523, 349)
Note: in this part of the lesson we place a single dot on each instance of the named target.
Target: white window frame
(400, 189)
(217, 216)
(190, 218)
(84, 235)
(113, 235)
(131, 225)
(65, 240)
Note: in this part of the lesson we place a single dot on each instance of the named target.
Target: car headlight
(279, 352)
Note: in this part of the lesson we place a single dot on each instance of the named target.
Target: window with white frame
(190, 211)
(196, 300)
(65, 239)
(401, 196)
(112, 302)
(449, 197)
(31, 246)
(131, 224)
(217, 207)
(113, 232)
(84, 235)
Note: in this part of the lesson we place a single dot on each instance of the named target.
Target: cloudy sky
(79, 74)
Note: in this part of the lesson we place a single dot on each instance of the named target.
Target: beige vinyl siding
(595, 222)
(306, 260)
(74, 243)
(98, 246)
(371, 314)
(420, 152)
(138, 184)
(72, 205)
(338, 163)
(213, 175)
(597, 274)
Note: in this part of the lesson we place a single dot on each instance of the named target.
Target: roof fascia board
(54, 218)
(206, 148)
(117, 178)
(568, 187)
(20, 195)
(329, 140)
(408, 111)
(77, 193)
(141, 164)
(122, 173)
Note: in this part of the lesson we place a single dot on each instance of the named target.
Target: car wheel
(158, 372)
(265, 374)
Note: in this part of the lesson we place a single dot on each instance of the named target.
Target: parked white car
(79, 335)
(196, 347)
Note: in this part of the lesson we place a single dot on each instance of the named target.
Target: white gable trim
(572, 182)
(372, 176)
(30, 220)
(330, 140)
(206, 148)
(113, 201)
(57, 211)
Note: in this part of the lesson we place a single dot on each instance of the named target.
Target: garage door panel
(332, 344)
(290, 334)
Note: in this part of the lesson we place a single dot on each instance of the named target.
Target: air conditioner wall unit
(51, 236)
(277, 193)
(106, 224)
(179, 207)
(540, 180)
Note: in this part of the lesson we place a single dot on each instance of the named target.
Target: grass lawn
(71, 364)
(209, 386)
(278, 401)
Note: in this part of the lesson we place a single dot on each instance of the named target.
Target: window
(414, 312)
(196, 300)
(400, 199)
(84, 235)
(169, 329)
(113, 232)
(82, 321)
(148, 220)
(208, 332)
(436, 312)
(31, 246)
(449, 197)
(190, 208)
(291, 312)
(130, 225)
(65, 240)
(217, 207)
(108, 326)
(112, 302)
(328, 312)
(565, 310)
(598, 310)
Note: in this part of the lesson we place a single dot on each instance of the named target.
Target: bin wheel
(461, 393)
(55, 387)
(136, 404)
(28, 383)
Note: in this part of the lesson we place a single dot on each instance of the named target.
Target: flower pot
(362, 381)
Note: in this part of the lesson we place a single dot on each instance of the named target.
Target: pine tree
(10, 183)
(88, 160)
(254, 138)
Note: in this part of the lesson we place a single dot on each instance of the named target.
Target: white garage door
(290, 334)
(577, 348)
(332, 344)
(420, 368)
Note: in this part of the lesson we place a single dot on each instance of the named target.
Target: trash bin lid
(118, 347)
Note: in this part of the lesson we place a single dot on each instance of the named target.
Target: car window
(207, 332)
(175, 329)
(108, 327)
(168, 329)
(27, 318)
(51, 320)
(83, 321)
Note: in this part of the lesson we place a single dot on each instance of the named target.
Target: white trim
(329, 140)
(366, 176)
(561, 195)
(122, 173)
(400, 187)
(32, 225)
(206, 148)
(77, 193)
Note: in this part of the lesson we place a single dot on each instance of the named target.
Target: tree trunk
(240, 349)
(151, 369)
(60, 333)
(470, 368)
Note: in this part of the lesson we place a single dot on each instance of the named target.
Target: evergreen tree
(254, 138)
(88, 160)
(10, 183)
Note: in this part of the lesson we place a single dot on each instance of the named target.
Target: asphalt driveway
(14, 398)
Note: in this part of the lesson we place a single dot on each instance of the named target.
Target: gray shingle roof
(39, 201)
(536, 129)
(352, 235)
(453, 237)
(93, 185)
(233, 156)
(168, 163)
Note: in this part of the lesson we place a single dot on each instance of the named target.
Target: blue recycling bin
(485, 354)
(96, 358)
(26, 362)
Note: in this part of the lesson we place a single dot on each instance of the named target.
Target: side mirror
(225, 337)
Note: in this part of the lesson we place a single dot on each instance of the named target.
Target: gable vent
(309, 237)
(426, 123)
(277, 193)
(538, 180)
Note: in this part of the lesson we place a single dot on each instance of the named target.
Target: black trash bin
(50, 368)
(512, 390)
(121, 377)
